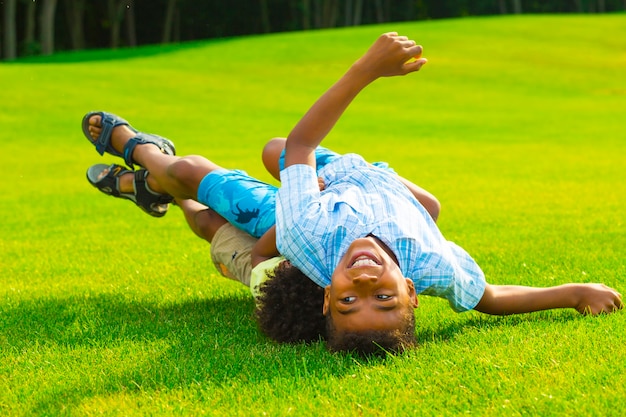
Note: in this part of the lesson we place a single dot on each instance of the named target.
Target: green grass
(516, 124)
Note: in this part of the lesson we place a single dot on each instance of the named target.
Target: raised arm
(586, 298)
(387, 57)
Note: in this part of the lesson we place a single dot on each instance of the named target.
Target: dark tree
(46, 26)
(10, 30)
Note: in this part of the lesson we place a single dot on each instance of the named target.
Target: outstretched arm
(387, 57)
(586, 298)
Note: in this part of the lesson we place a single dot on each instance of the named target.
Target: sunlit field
(516, 124)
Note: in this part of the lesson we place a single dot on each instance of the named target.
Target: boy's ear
(326, 307)
(412, 294)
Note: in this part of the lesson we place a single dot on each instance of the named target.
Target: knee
(206, 223)
(271, 154)
(187, 170)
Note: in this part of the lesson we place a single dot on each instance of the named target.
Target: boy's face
(368, 290)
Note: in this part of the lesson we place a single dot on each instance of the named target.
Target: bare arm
(265, 247)
(426, 199)
(273, 149)
(388, 56)
(585, 298)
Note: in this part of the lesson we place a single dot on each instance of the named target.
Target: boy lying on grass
(365, 238)
(232, 247)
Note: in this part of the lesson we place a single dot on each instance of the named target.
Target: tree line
(41, 27)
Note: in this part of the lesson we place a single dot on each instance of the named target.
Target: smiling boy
(371, 245)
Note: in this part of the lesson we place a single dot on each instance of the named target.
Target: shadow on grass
(90, 55)
(97, 346)
(450, 329)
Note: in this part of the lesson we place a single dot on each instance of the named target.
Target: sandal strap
(144, 192)
(153, 203)
(166, 146)
(110, 183)
(109, 121)
(150, 201)
(104, 140)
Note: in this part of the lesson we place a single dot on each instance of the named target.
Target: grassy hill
(516, 124)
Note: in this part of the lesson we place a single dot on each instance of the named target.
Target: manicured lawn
(516, 124)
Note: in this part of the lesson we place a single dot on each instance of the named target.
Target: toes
(102, 174)
(95, 126)
(94, 131)
(95, 120)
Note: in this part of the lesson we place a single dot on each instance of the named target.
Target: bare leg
(202, 220)
(173, 175)
(273, 149)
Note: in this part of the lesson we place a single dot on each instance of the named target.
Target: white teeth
(364, 262)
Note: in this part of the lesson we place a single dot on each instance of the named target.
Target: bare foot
(126, 181)
(119, 136)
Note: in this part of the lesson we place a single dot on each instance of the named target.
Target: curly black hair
(289, 307)
(373, 342)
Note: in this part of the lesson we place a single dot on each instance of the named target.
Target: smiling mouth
(364, 260)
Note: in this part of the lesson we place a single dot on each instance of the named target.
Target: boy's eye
(348, 300)
(383, 296)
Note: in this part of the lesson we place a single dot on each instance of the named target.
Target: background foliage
(32, 27)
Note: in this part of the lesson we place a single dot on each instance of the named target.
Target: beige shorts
(231, 253)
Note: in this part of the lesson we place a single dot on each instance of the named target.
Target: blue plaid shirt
(314, 230)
